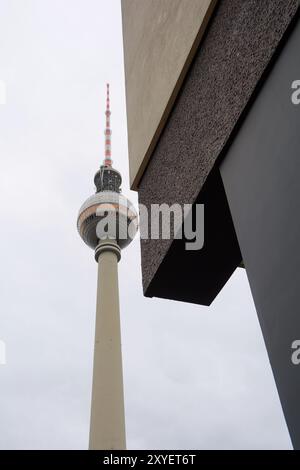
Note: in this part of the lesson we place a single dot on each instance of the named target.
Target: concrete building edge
(134, 183)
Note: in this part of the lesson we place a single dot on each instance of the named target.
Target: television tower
(107, 222)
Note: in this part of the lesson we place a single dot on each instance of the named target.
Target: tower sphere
(107, 214)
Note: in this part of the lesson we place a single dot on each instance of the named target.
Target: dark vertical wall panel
(261, 175)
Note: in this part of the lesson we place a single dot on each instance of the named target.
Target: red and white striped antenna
(107, 160)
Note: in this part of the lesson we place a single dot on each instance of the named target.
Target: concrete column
(107, 429)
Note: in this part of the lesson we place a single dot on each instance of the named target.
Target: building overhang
(228, 68)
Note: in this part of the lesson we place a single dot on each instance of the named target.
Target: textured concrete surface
(160, 39)
(240, 42)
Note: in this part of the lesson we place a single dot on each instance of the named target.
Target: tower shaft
(107, 429)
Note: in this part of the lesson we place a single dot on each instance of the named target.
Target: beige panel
(160, 38)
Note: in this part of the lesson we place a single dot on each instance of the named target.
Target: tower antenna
(107, 160)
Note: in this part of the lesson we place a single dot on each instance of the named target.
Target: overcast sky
(195, 377)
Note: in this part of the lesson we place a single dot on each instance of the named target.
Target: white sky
(195, 377)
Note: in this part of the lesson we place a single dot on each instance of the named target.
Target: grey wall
(261, 175)
(240, 41)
